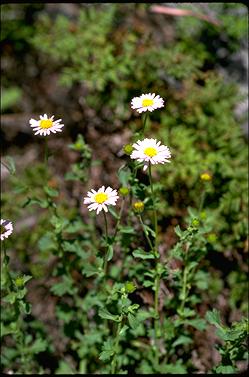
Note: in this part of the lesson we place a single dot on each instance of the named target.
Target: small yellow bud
(203, 215)
(206, 177)
(128, 148)
(212, 238)
(138, 207)
(130, 287)
(19, 281)
(124, 191)
(195, 223)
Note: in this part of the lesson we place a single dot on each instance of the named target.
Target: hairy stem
(106, 237)
(145, 232)
(114, 360)
(119, 218)
(185, 280)
(157, 277)
(203, 194)
(144, 124)
(46, 160)
(154, 210)
(6, 263)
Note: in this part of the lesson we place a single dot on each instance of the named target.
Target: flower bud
(138, 207)
(203, 215)
(130, 287)
(124, 191)
(19, 281)
(195, 223)
(128, 148)
(206, 177)
(212, 238)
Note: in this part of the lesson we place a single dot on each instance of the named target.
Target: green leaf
(139, 253)
(64, 368)
(10, 298)
(225, 369)
(90, 270)
(10, 97)
(197, 323)
(38, 346)
(41, 203)
(127, 230)
(149, 230)
(9, 329)
(107, 350)
(47, 242)
(66, 286)
(25, 307)
(178, 231)
(186, 312)
(113, 212)
(213, 317)
(9, 163)
(148, 283)
(133, 321)
(74, 247)
(50, 191)
(191, 266)
(183, 339)
(123, 330)
(104, 313)
(176, 368)
(109, 252)
(124, 175)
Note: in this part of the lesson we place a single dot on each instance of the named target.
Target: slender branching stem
(184, 280)
(154, 210)
(114, 360)
(119, 218)
(6, 265)
(157, 277)
(145, 232)
(46, 159)
(144, 124)
(106, 238)
(203, 194)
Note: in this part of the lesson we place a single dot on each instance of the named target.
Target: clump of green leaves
(234, 340)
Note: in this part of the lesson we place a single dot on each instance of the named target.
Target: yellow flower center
(206, 177)
(46, 123)
(138, 206)
(2, 229)
(150, 151)
(100, 198)
(147, 102)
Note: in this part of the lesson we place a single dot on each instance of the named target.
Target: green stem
(185, 281)
(46, 160)
(145, 232)
(6, 264)
(144, 124)
(157, 277)
(184, 289)
(119, 219)
(106, 253)
(203, 194)
(154, 210)
(114, 361)
(157, 318)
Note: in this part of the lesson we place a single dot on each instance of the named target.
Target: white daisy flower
(147, 102)
(100, 199)
(6, 229)
(46, 125)
(150, 151)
